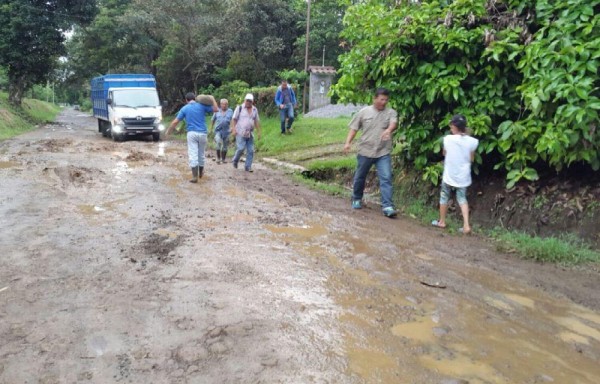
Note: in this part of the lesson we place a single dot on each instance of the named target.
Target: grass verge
(308, 132)
(567, 250)
(14, 122)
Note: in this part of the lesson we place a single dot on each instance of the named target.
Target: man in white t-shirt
(459, 152)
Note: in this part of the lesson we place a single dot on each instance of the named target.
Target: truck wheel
(156, 136)
(118, 137)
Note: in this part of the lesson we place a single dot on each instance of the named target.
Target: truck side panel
(100, 86)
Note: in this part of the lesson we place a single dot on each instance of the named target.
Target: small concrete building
(320, 82)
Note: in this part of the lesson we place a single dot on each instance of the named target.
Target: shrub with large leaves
(524, 72)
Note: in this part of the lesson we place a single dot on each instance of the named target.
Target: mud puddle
(418, 333)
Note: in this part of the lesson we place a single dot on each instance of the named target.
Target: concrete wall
(319, 87)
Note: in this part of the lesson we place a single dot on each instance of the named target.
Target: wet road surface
(114, 268)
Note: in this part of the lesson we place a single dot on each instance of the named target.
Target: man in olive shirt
(374, 147)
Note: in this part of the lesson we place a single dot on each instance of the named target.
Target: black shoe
(235, 164)
(200, 171)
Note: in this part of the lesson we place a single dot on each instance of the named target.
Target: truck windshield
(135, 98)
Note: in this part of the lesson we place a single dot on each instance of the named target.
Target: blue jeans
(287, 112)
(244, 143)
(383, 165)
(196, 142)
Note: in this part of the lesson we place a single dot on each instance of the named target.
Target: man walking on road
(245, 121)
(194, 115)
(285, 99)
(222, 118)
(377, 123)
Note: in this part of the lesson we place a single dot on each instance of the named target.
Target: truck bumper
(139, 130)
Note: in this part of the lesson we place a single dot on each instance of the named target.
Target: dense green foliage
(31, 39)
(189, 45)
(325, 26)
(524, 72)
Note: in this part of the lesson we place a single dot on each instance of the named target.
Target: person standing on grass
(194, 115)
(245, 121)
(459, 153)
(377, 123)
(222, 118)
(285, 99)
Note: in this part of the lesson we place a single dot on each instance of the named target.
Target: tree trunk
(16, 90)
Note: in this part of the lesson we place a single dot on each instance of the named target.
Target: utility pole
(323, 57)
(306, 56)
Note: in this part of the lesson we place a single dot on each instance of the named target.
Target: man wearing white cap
(245, 120)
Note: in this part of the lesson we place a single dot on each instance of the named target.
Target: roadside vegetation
(567, 250)
(330, 170)
(15, 121)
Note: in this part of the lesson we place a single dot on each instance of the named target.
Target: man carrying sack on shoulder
(194, 113)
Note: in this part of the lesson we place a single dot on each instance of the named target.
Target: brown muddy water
(114, 268)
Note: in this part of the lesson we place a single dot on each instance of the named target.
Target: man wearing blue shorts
(194, 115)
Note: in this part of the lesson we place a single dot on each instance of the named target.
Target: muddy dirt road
(115, 269)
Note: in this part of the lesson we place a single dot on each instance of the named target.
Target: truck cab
(127, 105)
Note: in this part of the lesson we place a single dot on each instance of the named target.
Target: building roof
(320, 69)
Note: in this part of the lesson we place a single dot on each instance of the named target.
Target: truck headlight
(118, 120)
(161, 127)
(117, 128)
(157, 120)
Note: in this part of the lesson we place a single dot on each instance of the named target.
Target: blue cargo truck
(127, 104)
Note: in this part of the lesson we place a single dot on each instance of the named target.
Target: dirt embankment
(557, 205)
(114, 268)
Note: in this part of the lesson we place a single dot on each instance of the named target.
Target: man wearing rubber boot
(194, 113)
(377, 123)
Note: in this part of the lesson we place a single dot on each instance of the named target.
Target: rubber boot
(194, 175)
(218, 156)
(200, 171)
(224, 154)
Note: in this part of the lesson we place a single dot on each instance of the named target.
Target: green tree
(266, 31)
(525, 73)
(326, 24)
(32, 36)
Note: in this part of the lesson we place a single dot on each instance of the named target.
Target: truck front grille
(139, 122)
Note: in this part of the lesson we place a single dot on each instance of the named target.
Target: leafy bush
(235, 91)
(525, 73)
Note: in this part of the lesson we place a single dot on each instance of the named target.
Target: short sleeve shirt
(245, 121)
(457, 162)
(194, 115)
(222, 120)
(372, 123)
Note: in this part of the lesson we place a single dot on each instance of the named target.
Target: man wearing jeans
(245, 121)
(194, 115)
(377, 123)
(285, 99)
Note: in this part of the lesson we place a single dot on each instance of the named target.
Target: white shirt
(457, 164)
